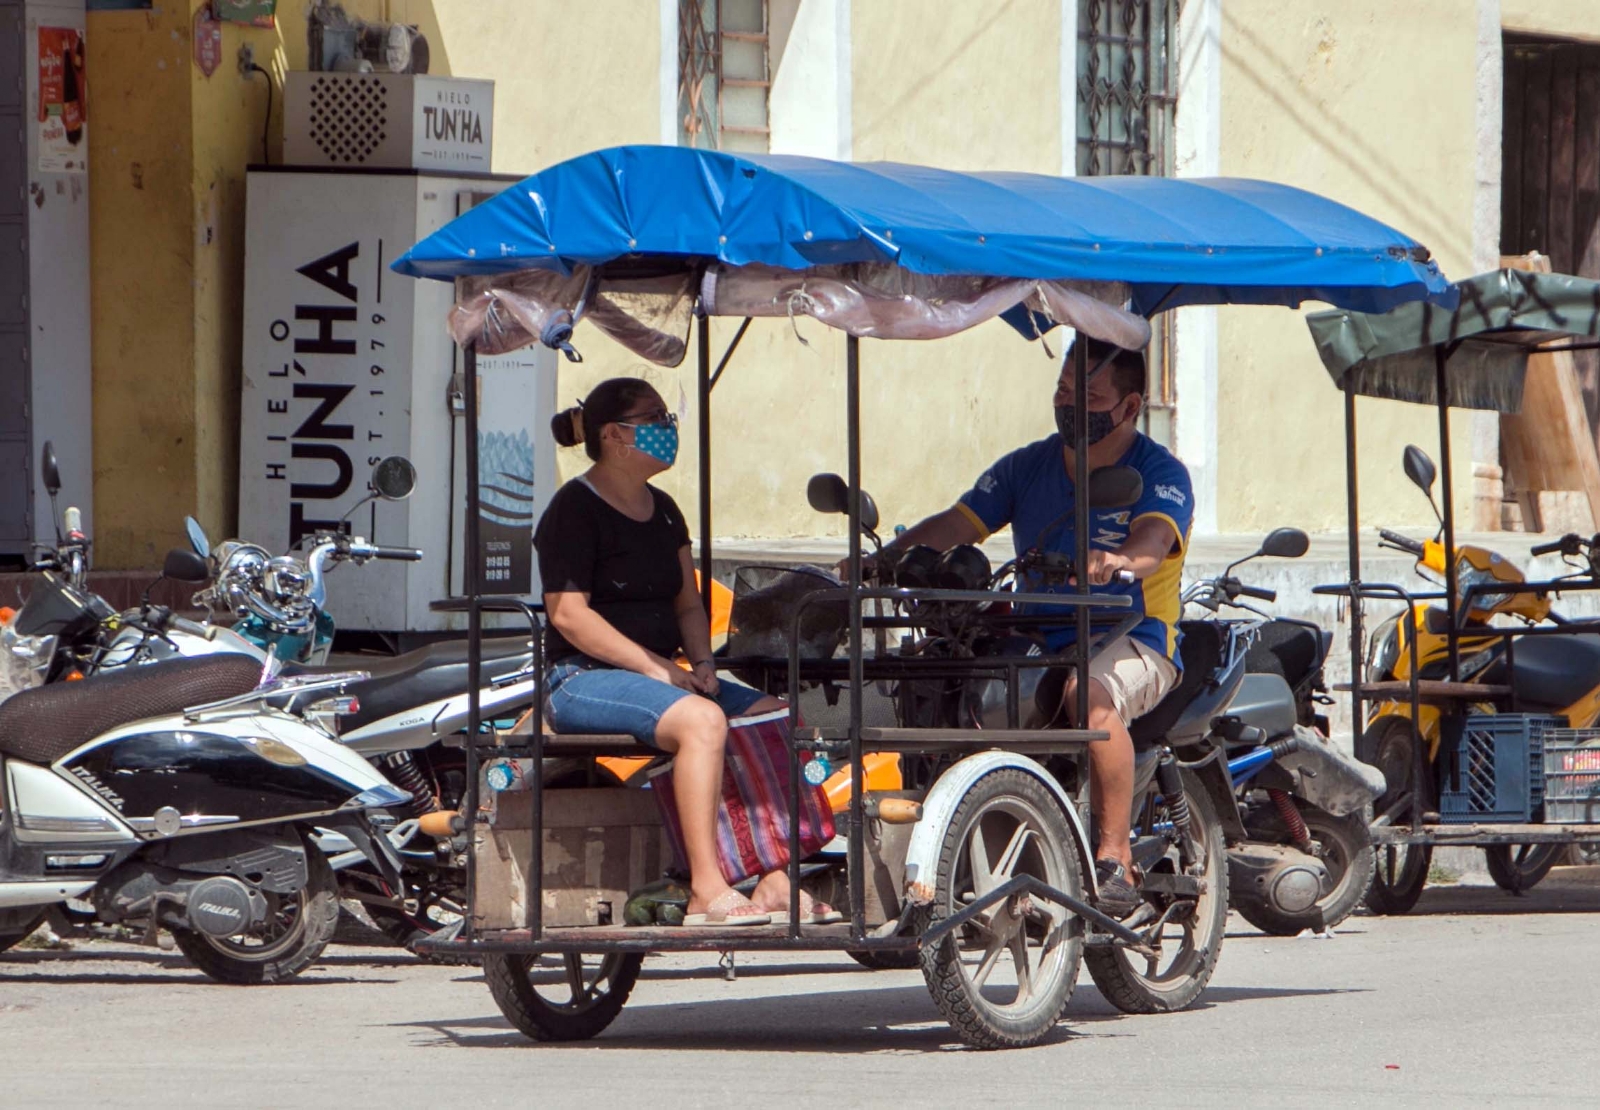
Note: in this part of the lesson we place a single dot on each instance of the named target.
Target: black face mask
(1100, 424)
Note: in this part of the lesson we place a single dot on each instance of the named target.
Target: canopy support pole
(1080, 499)
(1441, 355)
(722, 363)
(471, 585)
(1353, 523)
(703, 377)
(855, 860)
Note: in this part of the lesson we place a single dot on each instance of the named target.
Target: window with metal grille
(723, 74)
(1127, 122)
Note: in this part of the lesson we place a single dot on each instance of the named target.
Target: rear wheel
(572, 1002)
(1345, 846)
(1002, 980)
(1389, 744)
(1191, 938)
(299, 926)
(17, 923)
(1519, 867)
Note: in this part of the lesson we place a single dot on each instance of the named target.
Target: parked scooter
(182, 799)
(1306, 858)
(1558, 675)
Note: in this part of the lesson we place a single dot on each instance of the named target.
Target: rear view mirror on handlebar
(394, 478)
(1286, 543)
(1115, 487)
(1419, 468)
(49, 470)
(183, 565)
(829, 493)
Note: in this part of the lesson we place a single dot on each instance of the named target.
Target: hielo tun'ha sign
(452, 125)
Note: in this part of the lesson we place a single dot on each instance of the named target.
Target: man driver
(1031, 489)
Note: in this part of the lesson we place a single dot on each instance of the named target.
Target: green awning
(1503, 317)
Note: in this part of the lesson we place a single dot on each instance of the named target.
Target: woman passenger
(621, 601)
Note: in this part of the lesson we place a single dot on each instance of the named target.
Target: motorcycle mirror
(183, 565)
(197, 537)
(1419, 468)
(828, 493)
(1286, 543)
(1115, 487)
(394, 478)
(49, 470)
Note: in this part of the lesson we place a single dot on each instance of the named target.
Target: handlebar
(1547, 548)
(1404, 543)
(1256, 592)
(406, 554)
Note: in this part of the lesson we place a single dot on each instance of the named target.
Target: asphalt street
(1477, 999)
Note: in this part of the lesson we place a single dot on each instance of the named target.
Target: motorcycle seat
(426, 675)
(43, 724)
(1200, 651)
(1551, 672)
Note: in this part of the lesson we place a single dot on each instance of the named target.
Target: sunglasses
(647, 419)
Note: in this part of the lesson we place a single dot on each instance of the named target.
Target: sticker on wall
(207, 40)
(505, 515)
(63, 102)
(257, 13)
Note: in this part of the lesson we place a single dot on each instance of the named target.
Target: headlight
(1384, 650)
(1468, 576)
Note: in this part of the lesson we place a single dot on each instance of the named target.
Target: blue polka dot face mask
(659, 440)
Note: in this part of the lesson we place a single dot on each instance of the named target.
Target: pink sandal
(727, 909)
(812, 912)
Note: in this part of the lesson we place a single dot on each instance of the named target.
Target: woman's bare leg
(695, 731)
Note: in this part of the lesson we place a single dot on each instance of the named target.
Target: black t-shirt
(629, 568)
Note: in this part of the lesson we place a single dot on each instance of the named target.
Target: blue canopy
(1173, 241)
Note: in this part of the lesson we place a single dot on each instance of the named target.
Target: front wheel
(1389, 744)
(595, 990)
(1344, 845)
(1519, 867)
(1002, 980)
(1191, 937)
(299, 926)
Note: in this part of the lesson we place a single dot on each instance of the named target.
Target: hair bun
(567, 426)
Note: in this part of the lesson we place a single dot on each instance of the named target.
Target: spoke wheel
(1401, 869)
(1519, 867)
(299, 926)
(1191, 935)
(1345, 847)
(1002, 980)
(571, 1001)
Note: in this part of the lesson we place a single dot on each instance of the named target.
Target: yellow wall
(1577, 19)
(1372, 104)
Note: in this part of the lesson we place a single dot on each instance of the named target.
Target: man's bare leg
(1110, 773)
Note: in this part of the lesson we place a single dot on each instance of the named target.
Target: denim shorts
(585, 696)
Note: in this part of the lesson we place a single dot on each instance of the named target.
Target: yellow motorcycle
(1557, 675)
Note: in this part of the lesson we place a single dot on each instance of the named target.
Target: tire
(1157, 989)
(1347, 853)
(1013, 824)
(1401, 870)
(587, 1011)
(18, 923)
(887, 961)
(1516, 868)
(305, 923)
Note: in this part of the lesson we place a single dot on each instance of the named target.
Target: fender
(922, 855)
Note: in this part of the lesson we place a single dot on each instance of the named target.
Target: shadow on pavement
(865, 1021)
(85, 964)
(1564, 890)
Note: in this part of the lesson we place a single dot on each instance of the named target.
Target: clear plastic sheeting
(880, 301)
(504, 312)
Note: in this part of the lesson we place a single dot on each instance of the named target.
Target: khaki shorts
(1135, 675)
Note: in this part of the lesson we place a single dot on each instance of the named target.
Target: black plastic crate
(1495, 769)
